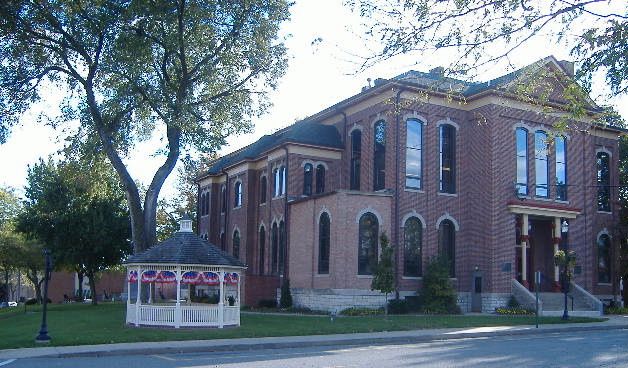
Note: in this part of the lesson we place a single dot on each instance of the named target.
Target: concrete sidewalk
(394, 337)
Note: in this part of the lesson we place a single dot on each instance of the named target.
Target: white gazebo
(180, 264)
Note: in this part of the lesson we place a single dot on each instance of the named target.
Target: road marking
(7, 362)
(163, 357)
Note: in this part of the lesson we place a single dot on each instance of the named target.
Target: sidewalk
(395, 337)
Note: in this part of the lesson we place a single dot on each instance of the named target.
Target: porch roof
(543, 209)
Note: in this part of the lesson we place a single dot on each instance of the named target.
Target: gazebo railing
(191, 315)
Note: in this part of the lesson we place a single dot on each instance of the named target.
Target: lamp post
(566, 260)
(43, 336)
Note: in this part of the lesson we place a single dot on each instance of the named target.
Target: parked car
(8, 304)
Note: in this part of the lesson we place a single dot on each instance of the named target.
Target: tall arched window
(207, 203)
(236, 244)
(522, 161)
(414, 147)
(413, 247)
(447, 158)
(274, 249)
(379, 156)
(561, 169)
(263, 188)
(447, 244)
(307, 179)
(356, 153)
(541, 168)
(367, 247)
(223, 244)
(237, 195)
(223, 205)
(202, 205)
(282, 247)
(323, 243)
(603, 182)
(604, 259)
(277, 182)
(283, 180)
(320, 179)
(262, 249)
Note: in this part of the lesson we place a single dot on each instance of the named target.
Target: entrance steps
(579, 302)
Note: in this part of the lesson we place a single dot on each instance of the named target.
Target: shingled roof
(186, 248)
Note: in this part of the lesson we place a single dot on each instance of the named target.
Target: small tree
(438, 295)
(566, 261)
(384, 271)
(286, 298)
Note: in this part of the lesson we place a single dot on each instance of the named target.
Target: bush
(513, 302)
(267, 303)
(438, 295)
(361, 312)
(34, 301)
(286, 298)
(514, 311)
(616, 310)
(398, 306)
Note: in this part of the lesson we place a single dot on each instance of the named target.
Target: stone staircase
(579, 302)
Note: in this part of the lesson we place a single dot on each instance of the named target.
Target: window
(367, 247)
(236, 244)
(277, 183)
(412, 251)
(604, 259)
(603, 182)
(282, 248)
(207, 203)
(274, 251)
(202, 205)
(522, 162)
(379, 156)
(263, 188)
(561, 169)
(262, 250)
(320, 179)
(222, 241)
(540, 164)
(237, 195)
(307, 179)
(224, 199)
(323, 244)
(283, 180)
(414, 144)
(447, 244)
(356, 152)
(447, 159)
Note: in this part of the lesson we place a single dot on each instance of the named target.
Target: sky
(322, 39)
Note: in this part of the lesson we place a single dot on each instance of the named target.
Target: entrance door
(476, 295)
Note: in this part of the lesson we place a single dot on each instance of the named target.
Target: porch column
(556, 241)
(138, 301)
(177, 308)
(524, 247)
(221, 300)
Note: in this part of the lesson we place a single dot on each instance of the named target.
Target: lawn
(81, 324)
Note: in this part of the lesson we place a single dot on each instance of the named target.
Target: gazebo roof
(186, 248)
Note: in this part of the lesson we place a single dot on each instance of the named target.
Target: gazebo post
(177, 309)
(138, 300)
(239, 280)
(150, 292)
(221, 303)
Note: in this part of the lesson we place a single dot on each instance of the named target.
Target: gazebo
(199, 284)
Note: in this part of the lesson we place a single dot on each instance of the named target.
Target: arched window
(224, 199)
(604, 259)
(356, 152)
(414, 146)
(561, 169)
(202, 205)
(540, 164)
(262, 249)
(367, 243)
(522, 161)
(307, 179)
(237, 194)
(379, 156)
(447, 158)
(320, 179)
(413, 247)
(236, 244)
(603, 182)
(223, 244)
(263, 188)
(282, 247)
(323, 244)
(447, 244)
(283, 180)
(274, 248)
(207, 203)
(277, 183)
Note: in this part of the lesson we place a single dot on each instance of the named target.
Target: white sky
(319, 76)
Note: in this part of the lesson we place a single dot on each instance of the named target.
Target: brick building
(473, 171)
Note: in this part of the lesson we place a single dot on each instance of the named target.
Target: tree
(384, 270)
(482, 32)
(195, 71)
(438, 295)
(75, 208)
(33, 265)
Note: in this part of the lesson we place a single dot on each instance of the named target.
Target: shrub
(231, 300)
(361, 312)
(438, 295)
(31, 301)
(617, 310)
(514, 311)
(398, 306)
(513, 302)
(286, 298)
(267, 303)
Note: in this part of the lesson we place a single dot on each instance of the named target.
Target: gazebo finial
(185, 224)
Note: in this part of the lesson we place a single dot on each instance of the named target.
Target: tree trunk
(91, 276)
(80, 276)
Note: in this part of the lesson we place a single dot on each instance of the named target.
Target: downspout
(226, 199)
(397, 193)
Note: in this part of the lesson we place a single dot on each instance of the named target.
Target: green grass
(81, 324)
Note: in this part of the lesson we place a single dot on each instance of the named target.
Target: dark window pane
(447, 159)
(604, 259)
(236, 244)
(447, 244)
(541, 165)
(412, 252)
(320, 179)
(603, 182)
(561, 169)
(323, 244)
(379, 157)
(356, 152)
(262, 195)
(367, 247)
(307, 179)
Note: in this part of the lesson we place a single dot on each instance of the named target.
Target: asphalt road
(607, 349)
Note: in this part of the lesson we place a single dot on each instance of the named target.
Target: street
(574, 349)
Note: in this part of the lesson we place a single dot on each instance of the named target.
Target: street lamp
(43, 336)
(566, 260)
